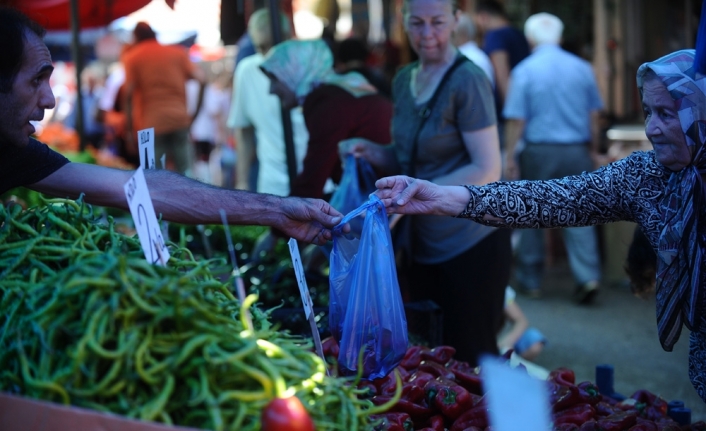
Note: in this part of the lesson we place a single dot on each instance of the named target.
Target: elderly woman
(661, 190)
(335, 107)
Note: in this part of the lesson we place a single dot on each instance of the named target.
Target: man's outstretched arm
(183, 200)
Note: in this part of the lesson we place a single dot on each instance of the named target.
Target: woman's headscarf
(303, 65)
(680, 248)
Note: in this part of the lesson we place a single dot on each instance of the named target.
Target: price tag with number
(145, 139)
(142, 210)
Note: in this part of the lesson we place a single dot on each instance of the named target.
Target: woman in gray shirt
(448, 138)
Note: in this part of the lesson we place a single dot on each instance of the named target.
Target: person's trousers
(544, 162)
(470, 290)
(178, 150)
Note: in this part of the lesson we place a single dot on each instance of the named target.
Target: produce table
(94, 337)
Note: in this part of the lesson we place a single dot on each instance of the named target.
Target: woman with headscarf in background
(335, 107)
(660, 190)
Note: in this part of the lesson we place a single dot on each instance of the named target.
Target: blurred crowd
(237, 122)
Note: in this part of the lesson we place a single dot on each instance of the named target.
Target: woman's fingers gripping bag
(366, 313)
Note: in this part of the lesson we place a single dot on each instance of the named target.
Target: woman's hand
(380, 157)
(406, 195)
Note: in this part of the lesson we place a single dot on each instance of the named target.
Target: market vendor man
(25, 70)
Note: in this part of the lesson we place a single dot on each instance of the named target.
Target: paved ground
(618, 329)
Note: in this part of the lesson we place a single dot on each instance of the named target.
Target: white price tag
(301, 279)
(142, 210)
(145, 139)
(516, 400)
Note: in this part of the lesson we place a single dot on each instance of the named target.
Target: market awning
(56, 14)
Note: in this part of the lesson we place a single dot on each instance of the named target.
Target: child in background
(526, 341)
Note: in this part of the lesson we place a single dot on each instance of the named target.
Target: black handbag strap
(425, 112)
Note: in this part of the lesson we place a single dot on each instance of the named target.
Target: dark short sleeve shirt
(507, 39)
(21, 166)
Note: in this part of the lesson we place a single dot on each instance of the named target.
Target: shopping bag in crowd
(357, 182)
(366, 312)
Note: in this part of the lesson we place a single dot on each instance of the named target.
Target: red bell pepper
(440, 354)
(476, 416)
(591, 425)
(436, 423)
(393, 422)
(417, 412)
(577, 414)
(563, 376)
(420, 378)
(466, 376)
(566, 427)
(413, 392)
(618, 421)
(667, 424)
(589, 393)
(562, 397)
(605, 409)
(643, 425)
(453, 401)
(413, 357)
(655, 407)
(385, 385)
(436, 369)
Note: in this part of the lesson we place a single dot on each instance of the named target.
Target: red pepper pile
(440, 393)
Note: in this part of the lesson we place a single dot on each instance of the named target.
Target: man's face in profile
(30, 94)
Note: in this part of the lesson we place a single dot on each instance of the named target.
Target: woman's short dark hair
(13, 25)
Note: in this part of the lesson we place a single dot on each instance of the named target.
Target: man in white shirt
(465, 41)
(256, 118)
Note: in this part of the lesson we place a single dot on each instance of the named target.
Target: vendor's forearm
(176, 197)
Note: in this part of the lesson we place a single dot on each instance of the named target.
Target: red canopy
(56, 14)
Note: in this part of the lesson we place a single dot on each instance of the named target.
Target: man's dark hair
(143, 32)
(13, 25)
(491, 7)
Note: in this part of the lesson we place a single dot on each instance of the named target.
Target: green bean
(151, 410)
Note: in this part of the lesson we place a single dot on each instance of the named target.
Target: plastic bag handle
(371, 202)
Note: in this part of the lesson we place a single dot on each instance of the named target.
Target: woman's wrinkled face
(662, 126)
(429, 25)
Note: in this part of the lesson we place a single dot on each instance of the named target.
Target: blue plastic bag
(366, 310)
(357, 182)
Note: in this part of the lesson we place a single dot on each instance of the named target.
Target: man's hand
(309, 220)
(406, 195)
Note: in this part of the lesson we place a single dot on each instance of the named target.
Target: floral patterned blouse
(629, 189)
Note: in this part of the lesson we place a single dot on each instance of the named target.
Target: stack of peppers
(440, 393)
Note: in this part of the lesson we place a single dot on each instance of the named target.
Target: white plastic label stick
(146, 224)
(145, 139)
(516, 400)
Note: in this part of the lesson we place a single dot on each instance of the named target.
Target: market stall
(91, 328)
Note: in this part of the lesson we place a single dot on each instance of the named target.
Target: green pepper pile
(86, 321)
